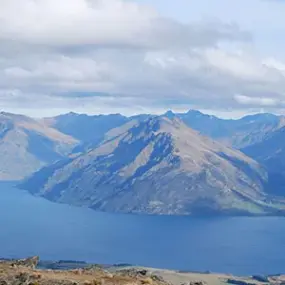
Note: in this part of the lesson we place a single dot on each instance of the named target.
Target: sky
(223, 57)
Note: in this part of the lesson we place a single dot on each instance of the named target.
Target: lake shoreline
(67, 265)
(277, 213)
(145, 275)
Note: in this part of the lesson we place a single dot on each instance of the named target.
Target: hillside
(26, 145)
(271, 153)
(86, 128)
(157, 166)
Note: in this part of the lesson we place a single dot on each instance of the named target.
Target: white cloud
(120, 55)
(256, 101)
(70, 22)
(101, 23)
(241, 66)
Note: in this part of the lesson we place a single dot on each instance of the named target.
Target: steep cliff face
(156, 166)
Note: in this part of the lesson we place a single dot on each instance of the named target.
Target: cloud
(116, 55)
(258, 101)
(105, 23)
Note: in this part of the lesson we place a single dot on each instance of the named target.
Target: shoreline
(80, 273)
(67, 265)
(277, 213)
(274, 213)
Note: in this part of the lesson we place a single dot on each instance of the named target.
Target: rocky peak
(169, 114)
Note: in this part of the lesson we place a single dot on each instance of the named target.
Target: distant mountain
(157, 166)
(89, 130)
(271, 153)
(236, 133)
(26, 145)
(85, 128)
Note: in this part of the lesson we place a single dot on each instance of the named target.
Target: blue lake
(33, 226)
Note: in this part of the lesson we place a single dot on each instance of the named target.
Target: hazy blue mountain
(236, 133)
(26, 145)
(86, 128)
(157, 166)
(89, 130)
(271, 153)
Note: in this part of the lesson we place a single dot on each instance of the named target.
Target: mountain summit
(156, 166)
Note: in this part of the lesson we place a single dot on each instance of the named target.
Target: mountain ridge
(158, 166)
(22, 135)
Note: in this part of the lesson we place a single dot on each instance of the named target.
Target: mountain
(271, 153)
(89, 130)
(158, 166)
(36, 143)
(239, 133)
(86, 128)
(26, 145)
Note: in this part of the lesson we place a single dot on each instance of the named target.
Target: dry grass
(15, 274)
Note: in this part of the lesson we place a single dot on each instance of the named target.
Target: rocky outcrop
(21, 272)
(239, 282)
(30, 262)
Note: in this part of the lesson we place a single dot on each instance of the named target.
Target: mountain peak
(169, 114)
(160, 124)
(195, 112)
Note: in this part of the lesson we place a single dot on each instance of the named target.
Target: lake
(33, 226)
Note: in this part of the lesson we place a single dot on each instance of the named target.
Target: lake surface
(33, 226)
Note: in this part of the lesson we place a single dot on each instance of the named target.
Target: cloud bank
(102, 56)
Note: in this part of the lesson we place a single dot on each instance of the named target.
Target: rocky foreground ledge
(27, 272)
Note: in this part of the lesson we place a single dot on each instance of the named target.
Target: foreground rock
(20, 272)
(23, 272)
(31, 262)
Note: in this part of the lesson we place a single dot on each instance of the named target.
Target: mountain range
(184, 164)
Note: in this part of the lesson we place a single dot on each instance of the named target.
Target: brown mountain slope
(26, 145)
(157, 166)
